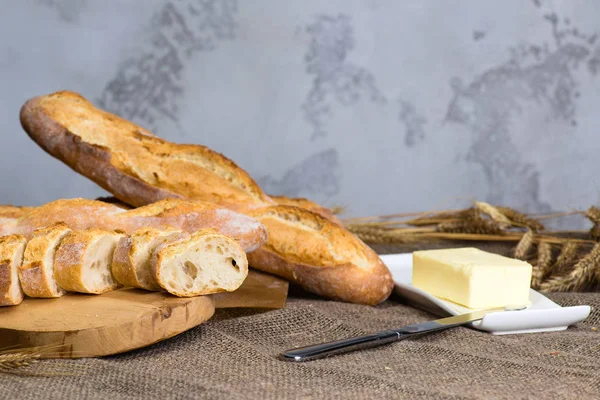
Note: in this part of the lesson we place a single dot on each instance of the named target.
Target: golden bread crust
(34, 280)
(321, 256)
(8, 211)
(307, 205)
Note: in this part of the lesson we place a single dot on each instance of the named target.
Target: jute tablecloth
(234, 356)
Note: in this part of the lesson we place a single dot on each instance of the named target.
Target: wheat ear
(524, 246)
(584, 272)
(542, 265)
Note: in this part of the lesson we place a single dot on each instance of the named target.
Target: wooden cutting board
(80, 325)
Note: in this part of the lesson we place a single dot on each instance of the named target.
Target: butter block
(472, 277)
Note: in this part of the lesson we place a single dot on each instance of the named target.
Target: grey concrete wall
(380, 106)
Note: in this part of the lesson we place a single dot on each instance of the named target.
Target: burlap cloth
(234, 356)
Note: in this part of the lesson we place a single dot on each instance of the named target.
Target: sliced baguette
(190, 216)
(206, 263)
(320, 256)
(83, 261)
(132, 262)
(37, 272)
(130, 162)
(12, 248)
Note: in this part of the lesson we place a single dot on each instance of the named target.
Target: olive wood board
(80, 325)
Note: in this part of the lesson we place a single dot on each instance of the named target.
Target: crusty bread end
(12, 248)
(37, 272)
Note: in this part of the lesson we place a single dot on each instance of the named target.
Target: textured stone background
(381, 106)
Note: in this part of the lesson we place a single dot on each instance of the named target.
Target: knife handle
(314, 352)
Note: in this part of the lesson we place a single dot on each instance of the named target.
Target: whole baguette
(128, 161)
(320, 256)
(190, 216)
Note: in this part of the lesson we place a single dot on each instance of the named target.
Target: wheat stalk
(564, 262)
(373, 234)
(584, 272)
(493, 213)
(524, 246)
(567, 256)
(593, 214)
(520, 219)
(9, 361)
(595, 232)
(15, 361)
(475, 225)
(337, 210)
(542, 265)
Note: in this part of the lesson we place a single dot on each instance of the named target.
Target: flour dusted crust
(137, 167)
(11, 256)
(84, 259)
(190, 216)
(132, 261)
(320, 256)
(37, 272)
(206, 263)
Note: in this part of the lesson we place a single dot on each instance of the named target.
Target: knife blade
(317, 351)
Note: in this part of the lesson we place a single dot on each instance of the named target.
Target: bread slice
(320, 256)
(130, 162)
(37, 272)
(83, 261)
(132, 262)
(190, 216)
(206, 263)
(11, 255)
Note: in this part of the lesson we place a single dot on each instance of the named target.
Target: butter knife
(314, 352)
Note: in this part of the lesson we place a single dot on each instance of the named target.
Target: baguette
(84, 259)
(11, 256)
(190, 216)
(132, 262)
(128, 161)
(37, 272)
(206, 263)
(320, 256)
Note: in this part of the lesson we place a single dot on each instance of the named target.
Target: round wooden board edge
(163, 323)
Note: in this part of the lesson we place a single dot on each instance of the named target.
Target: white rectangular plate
(542, 315)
